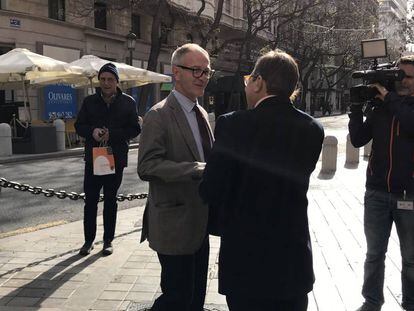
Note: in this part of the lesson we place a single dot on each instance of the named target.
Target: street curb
(16, 158)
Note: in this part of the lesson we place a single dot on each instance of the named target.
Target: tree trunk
(154, 53)
(303, 96)
(214, 26)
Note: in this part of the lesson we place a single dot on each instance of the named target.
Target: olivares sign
(60, 102)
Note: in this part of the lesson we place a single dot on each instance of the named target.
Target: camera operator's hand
(381, 89)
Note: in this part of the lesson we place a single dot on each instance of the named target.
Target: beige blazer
(175, 218)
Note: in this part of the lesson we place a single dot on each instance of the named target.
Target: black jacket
(256, 181)
(120, 118)
(390, 125)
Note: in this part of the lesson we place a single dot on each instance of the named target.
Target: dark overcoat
(120, 118)
(255, 183)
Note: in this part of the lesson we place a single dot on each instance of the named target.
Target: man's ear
(175, 71)
(259, 85)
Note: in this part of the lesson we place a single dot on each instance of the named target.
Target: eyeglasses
(246, 78)
(198, 72)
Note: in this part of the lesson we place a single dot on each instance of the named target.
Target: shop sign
(60, 102)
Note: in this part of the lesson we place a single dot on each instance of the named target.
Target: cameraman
(390, 183)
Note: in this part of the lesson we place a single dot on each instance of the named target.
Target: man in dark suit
(255, 182)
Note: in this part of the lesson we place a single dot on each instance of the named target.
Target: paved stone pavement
(42, 271)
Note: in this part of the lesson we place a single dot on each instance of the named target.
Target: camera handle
(375, 64)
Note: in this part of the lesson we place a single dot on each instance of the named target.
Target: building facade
(393, 25)
(398, 8)
(68, 29)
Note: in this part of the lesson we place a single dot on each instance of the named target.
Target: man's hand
(98, 134)
(382, 90)
(198, 173)
(105, 136)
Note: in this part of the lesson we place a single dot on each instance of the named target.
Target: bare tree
(261, 17)
(213, 27)
(326, 43)
(164, 16)
(396, 32)
(157, 37)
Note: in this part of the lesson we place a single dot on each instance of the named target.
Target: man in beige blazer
(174, 145)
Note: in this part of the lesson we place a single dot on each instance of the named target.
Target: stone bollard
(367, 149)
(5, 140)
(352, 153)
(60, 134)
(329, 154)
(212, 120)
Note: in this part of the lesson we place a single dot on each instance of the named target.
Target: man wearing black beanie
(107, 118)
(111, 68)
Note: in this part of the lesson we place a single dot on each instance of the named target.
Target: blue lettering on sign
(60, 102)
(14, 22)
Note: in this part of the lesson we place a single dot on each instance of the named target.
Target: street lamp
(131, 40)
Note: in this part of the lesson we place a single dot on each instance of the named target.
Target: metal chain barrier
(4, 183)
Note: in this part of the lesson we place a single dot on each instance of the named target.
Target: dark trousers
(183, 281)
(92, 186)
(238, 303)
(379, 214)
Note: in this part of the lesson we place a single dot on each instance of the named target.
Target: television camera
(384, 74)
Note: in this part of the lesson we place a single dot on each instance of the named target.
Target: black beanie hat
(109, 67)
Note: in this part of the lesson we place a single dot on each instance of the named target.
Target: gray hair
(179, 53)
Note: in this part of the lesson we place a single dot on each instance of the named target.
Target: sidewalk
(42, 271)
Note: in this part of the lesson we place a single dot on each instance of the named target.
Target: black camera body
(384, 74)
